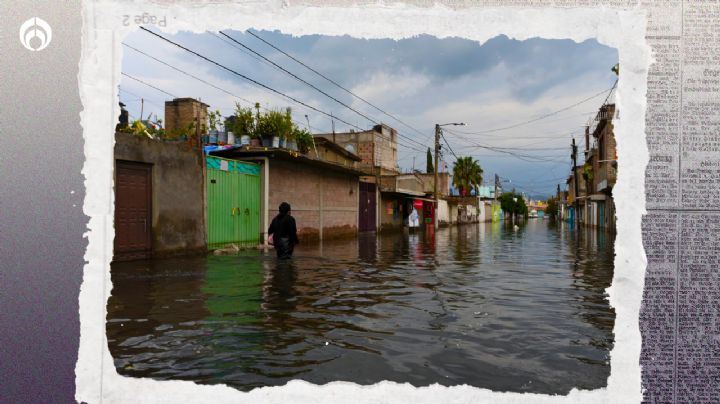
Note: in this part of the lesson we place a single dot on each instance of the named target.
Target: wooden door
(367, 213)
(133, 211)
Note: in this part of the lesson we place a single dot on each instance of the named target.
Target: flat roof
(337, 148)
(283, 154)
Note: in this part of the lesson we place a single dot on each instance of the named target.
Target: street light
(437, 150)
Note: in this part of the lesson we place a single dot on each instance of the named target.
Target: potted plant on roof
(214, 118)
(243, 125)
(263, 129)
(290, 130)
(272, 125)
(304, 140)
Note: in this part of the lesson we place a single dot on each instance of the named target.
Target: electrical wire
(248, 78)
(149, 85)
(299, 79)
(543, 116)
(255, 81)
(335, 83)
(373, 120)
(203, 81)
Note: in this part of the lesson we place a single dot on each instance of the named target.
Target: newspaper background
(680, 354)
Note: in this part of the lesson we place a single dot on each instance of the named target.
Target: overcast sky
(420, 81)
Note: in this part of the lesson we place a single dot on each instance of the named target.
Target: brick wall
(307, 189)
(376, 149)
(180, 112)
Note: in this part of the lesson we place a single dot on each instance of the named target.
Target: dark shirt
(283, 226)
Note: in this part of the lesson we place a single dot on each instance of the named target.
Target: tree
(429, 166)
(513, 204)
(552, 208)
(467, 175)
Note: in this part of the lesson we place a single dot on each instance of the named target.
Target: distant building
(376, 147)
(395, 193)
(595, 178)
(602, 159)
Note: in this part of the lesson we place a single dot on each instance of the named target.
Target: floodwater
(484, 305)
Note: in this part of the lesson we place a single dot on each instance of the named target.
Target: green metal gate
(233, 202)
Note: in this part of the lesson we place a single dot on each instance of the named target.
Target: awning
(407, 196)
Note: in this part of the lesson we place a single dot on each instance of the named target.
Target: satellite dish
(350, 148)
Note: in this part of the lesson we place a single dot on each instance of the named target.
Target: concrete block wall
(386, 144)
(317, 197)
(180, 112)
(443, 213)
(178, 210)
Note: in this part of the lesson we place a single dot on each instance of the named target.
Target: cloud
(390, 87)
(422, 81)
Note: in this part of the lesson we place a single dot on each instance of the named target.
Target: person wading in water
(283, 232)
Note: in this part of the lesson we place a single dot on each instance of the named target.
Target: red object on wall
(418, 204)
(429, 212)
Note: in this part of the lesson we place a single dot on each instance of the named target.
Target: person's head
(284, 208)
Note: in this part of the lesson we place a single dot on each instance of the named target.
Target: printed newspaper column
(658, 312)
(698, 323)
(662, 116)
(700, 154)
(697, 330)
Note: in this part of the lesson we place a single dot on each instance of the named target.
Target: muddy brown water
(483, 305)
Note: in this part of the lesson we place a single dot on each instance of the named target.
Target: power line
(542, 116)
(371, 119)
(207, 83)
(200, 79)
(299, 79)
(448, 145)
(335, 83)
(248, 78)
(255, 81)
(524, 157)
(149, 85)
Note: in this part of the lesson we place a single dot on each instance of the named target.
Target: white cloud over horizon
(422, 81)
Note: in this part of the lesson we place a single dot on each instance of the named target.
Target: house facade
(595, 178)
(159, 198)
(322, 189)
(392, 193)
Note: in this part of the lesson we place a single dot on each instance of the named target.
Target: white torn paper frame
(105, 26)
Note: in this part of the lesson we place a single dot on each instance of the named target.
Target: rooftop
(282, 154)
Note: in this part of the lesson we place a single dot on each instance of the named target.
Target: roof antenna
(312, 137)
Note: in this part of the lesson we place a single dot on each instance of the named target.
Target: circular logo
(35, 34)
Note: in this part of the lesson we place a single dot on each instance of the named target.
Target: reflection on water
(483, 305)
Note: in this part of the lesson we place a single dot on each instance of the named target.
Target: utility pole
(142, 107)
(435, 169)
(332, 120)
(313, 137)
(495, 193)
(577, 191)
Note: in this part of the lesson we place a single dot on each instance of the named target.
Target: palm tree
(467, 175)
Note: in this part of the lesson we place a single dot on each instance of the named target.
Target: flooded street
(482, 305)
